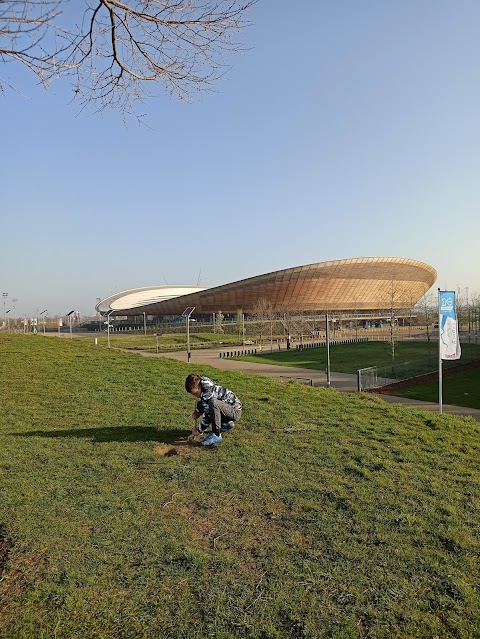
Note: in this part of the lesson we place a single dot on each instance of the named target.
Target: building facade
(342, 285)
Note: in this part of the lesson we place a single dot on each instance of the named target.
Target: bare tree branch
(119, 51)
(24, 26)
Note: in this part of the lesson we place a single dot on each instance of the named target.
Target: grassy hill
(321, 515)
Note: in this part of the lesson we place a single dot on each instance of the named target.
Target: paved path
(340, 381)
(319, 378)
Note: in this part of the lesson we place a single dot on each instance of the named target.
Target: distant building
(367, 283)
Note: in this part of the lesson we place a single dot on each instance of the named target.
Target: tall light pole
(108, 328)
(327, 346)
(5, 295)
(8, 326)
(14, 300)
(69, 315)
(43, 313)
(145, 323)
(186, 314)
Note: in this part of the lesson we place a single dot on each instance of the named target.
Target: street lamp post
(327, 345)
(43, 314)
(108, 328)
(8, 319)
(69, 315)
(4, 295)
(186, 314)
(14, 300)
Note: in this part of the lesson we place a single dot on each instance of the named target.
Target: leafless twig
(119, 50)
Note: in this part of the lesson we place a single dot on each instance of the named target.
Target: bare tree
(240, 325)
(411, 305)
(264, 315)
(391, 299)
(428, 306)
(118, 51)
(219, 317)
(467, 304)
(475, 314)
(461, 306)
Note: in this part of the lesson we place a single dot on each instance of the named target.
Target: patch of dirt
(421, 379)
(4, 341)
(180, 447)
(165, 450)
(183, 447)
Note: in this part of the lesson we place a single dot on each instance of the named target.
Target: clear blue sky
(348, 129)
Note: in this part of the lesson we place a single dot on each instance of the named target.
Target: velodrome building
(357, 284)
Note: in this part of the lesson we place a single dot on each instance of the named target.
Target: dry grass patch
(21, 571)
(181, 447)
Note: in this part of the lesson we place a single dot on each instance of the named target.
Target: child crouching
(217, 406)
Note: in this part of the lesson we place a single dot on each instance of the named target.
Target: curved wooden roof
(351, 284)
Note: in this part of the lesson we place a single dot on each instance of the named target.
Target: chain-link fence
(376, 376)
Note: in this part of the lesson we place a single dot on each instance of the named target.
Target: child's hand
(195, 431)
(195, 414)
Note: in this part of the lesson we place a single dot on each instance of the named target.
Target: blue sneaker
(212, 440)
(227, 426)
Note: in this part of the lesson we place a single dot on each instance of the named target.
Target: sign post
(327, 347)
(448, 338)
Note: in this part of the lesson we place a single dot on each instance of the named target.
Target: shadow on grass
(114, 434)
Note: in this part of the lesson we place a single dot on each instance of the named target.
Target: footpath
(340, 381)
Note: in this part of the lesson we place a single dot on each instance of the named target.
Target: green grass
(349, 358)
(459, 389)
(322, 515)
(165, 342)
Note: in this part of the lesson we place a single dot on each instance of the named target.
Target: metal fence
(367, 378)
(376, 376)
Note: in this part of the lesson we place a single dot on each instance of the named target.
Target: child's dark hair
(192, 382)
